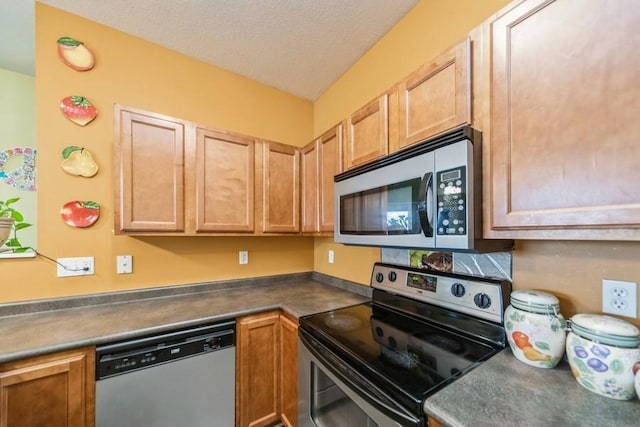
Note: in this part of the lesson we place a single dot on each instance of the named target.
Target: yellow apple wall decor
(78, 161)
(75, 54)
(78, 109)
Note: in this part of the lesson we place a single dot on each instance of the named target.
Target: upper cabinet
(367, 133)
(309, 197)
(329, 164)
(434, 98)
(279, 208)
(320, 161)
(150, 178)
(175, 177)
(224, 184)
(563, 120)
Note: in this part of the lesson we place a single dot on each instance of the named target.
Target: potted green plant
(11, 220)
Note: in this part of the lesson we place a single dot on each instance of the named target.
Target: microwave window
(389, 209)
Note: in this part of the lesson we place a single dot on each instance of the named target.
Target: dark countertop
(32, 334)
(506, 392)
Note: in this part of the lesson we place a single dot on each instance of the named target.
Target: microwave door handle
(424, 204)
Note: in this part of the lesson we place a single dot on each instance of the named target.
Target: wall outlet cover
(79, 266)
(620, 298)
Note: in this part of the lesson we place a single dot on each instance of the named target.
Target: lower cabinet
(266, 370)
(288, 371)
(51, 390)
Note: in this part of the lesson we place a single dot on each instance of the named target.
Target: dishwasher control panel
(126, 356)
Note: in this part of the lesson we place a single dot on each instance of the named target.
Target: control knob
(458, 290)
(482, 300)
(379, 277)
(392, 276)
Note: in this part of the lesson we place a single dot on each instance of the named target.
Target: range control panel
(477, 296)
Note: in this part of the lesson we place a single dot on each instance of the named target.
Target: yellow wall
(573, 271)
(133, 72)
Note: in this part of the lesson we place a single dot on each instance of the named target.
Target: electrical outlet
(619, 297)
(331, 256)
(243, 257)
(81, 266)
(124, 264)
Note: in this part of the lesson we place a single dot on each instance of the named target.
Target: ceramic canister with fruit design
(536, 330)
(604, 354)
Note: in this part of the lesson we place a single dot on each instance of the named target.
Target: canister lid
(606, 330)
(535, 301)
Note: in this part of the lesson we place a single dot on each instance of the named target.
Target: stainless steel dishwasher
(179, 378)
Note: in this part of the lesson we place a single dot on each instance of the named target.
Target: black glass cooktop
(410, 357)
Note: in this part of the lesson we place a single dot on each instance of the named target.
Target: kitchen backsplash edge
(50, 304)
(356, 288)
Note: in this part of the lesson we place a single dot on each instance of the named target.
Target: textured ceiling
(17, 38)
(299, 46)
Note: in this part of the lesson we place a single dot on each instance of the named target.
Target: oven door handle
(425, 204)
(358, 384)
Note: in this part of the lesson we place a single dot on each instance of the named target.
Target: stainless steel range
(374, 364)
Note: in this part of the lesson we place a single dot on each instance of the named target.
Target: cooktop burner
(445, 343)
(343, 323)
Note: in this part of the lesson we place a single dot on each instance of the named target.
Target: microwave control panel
(451, 195)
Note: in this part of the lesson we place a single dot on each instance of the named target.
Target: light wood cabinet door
(309, 183)
(150, 184)
(321, 160)
(280, 188)
(224, 182)
(55, 390)
(330, 164)
(258, 370)
(289, 370)
(564, 118)
(367, 133)
(434, 98)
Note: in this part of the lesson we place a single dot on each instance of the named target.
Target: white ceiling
(299, 46)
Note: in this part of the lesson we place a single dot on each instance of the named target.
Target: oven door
(333, 394)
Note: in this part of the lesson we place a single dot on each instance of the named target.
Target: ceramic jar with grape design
(602, 351)
(536, 330)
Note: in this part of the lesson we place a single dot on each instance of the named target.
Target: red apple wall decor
(78, 161)
(75, 54)
(80, 214)
(78, 109)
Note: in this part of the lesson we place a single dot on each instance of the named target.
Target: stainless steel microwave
(428, 196)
